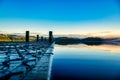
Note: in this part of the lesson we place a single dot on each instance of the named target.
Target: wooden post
(50, 36)
(27, 36)
(41, 38)
(37, 38)
(45, 39)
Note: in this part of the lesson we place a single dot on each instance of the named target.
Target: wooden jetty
(26, 60)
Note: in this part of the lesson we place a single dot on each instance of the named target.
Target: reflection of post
(27, 36)
(37, 38)
(50, 36)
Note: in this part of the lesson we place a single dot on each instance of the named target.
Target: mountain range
(21, 37)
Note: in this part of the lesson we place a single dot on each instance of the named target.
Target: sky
(60, 16)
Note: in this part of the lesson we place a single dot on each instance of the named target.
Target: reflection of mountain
(88, 41)
(92, 41)
(66, 40)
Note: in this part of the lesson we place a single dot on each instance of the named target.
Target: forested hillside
(14, 38)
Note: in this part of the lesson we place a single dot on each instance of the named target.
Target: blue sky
(61, 16)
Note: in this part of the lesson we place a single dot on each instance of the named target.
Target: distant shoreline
(63, 40)
(87, 41)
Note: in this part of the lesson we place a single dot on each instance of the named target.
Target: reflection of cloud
(108, 48)
(105, 47)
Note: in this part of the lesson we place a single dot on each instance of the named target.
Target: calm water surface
(82, 62)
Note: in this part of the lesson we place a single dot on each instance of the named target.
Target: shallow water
(82, 62)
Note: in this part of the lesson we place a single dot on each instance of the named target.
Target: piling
(37, 38)
(45, 39)
(27, 36)
(50, 37)
(41, 38)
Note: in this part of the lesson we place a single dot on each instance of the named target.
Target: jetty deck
(26, 61)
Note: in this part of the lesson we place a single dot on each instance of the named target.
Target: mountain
(23, 34)
(14, 37)
(112, 39)
(66, 40)
(5, 38)
(71, 38)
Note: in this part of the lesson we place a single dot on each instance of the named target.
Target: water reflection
(83, 62)
(103, 47)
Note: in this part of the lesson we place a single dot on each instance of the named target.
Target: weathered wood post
(50, 37)
(37, 38)
(41, 38)
(45, 39)
(27, 36)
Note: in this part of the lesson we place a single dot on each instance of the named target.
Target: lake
(82, 62)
